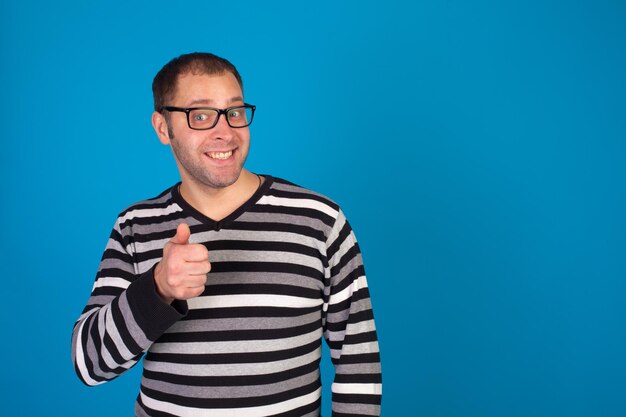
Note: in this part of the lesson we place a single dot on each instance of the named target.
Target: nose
(222, 129)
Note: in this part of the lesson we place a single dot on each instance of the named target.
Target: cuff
(153, 315)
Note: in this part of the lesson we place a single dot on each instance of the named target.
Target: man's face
(215, 157)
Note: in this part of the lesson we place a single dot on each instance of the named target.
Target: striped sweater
(286, 271)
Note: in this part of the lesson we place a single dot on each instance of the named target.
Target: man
(228, 280)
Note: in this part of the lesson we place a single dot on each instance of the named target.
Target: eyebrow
(209, 101)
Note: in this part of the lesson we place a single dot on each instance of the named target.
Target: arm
(349, 328)
(123, 316)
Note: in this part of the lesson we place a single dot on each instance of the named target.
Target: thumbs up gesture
(182, 272)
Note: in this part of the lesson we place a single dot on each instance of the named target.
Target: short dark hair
(164, 83)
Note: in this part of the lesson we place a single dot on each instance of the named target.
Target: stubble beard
(196, 171)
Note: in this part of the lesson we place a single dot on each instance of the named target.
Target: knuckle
(174, 268)
(200, 251)
(173, 282)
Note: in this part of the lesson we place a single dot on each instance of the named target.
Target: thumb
(182, 235)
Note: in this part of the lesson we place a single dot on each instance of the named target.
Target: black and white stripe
(286, 272)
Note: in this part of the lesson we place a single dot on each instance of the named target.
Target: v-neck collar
(226, 221)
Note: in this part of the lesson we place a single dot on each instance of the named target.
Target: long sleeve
(123, 316)
(349, 328)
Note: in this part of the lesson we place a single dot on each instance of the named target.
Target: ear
(160, 127)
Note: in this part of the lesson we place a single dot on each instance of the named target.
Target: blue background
(478, 149)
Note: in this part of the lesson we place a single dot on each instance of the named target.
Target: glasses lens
(239, 116)
(202, 118)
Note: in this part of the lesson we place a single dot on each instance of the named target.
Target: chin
(223, 182)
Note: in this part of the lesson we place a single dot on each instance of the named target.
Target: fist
(182, 272)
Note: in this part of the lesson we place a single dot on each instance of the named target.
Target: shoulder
(150, 209)
(301, 205)
(304, 206)
(288, 190)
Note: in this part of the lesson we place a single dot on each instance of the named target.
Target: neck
(217, 203)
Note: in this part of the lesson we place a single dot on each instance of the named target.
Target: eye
(234, 113)
(200, 117)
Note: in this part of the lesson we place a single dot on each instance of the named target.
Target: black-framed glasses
(203, 118)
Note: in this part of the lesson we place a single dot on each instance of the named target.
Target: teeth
(220, 155)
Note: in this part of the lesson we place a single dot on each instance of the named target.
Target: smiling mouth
(219, 155)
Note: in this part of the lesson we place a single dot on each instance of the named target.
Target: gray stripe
(265, 278)
(360, 409)
(358, 368)
(265, 236)
(236, 369)
(265, 256)
(144, 229)
(238, 235)
(358, 349)
(355, 307)
(154, 201)
(285, 219)
(113, 244)
(114, 263)
(190, 326)
(141, 247)
(245, 391)
(299, 190)
(234, 347)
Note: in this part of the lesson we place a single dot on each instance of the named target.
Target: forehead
(204, 88)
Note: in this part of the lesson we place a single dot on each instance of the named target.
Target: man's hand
(182, 273)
